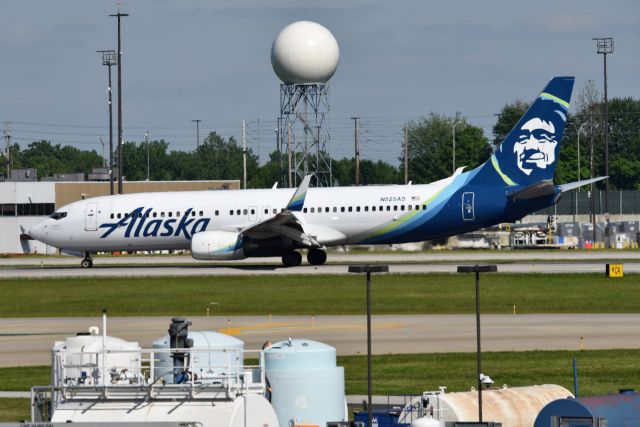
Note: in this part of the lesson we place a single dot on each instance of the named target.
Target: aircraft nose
(37, 231)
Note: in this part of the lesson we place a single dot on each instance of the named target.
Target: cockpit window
(58, 215)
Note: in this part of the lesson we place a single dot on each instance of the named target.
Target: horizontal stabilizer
(573, 185)
(535, 190)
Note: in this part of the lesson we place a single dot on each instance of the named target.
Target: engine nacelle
(217, 245)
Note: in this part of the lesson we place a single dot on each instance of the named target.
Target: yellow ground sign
(615, 270)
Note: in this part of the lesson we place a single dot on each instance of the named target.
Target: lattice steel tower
(305, 55)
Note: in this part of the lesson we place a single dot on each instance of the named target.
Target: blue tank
(307, 388)
(619, 409)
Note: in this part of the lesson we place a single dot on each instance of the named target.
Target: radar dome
(304, 52)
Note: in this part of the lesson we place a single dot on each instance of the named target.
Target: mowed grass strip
(317, 295)
(14, 410)
(600, 371)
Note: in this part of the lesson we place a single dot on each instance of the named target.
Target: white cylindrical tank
(426, 422)
(223, 356)
(82, 359)
(307, 388)
(258, 412)
(304, 52)
(511, 406)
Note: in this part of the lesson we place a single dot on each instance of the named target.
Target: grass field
(314, 295)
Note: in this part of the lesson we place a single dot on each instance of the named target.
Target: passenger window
(381, 208)
(244, 212)
(366, 208)
(304, 210)
(216, 213)
(409, 207)
(155, 214)
(373, 208)
(388, 208)
(357, 208)
(424, 207)
(335, 209)
(177, 214)
(326, 209)
(350, 209)
(401, 207)
(231, 212)
(140, 215)
(395, 207)
(161, 214)
(253, 211)
(266, 211)
(313, 210)
(119, 216)
(202, 213)
(238, 211)
(275, 211)
(342, 209)
(193, 213)
(112, 215)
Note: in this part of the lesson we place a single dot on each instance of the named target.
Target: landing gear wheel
(292, 259)
(316, 256)
(86, 263)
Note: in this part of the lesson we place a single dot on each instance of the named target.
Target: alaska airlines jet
(231, 225)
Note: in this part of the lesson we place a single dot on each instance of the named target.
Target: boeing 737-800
(231, 225)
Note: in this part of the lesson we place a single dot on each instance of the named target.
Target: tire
(86, 263)
(316, 256)
(292, 259)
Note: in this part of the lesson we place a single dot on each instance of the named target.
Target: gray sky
(210, 60)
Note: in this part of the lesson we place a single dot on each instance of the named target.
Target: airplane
(231, 225)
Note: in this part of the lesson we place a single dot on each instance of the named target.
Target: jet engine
(217, 245)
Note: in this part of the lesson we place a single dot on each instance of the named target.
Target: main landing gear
(87, 262)
(316, 256)
(292, 259)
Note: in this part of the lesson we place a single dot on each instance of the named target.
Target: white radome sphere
(305, 52)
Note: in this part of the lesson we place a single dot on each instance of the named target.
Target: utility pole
(605, 47)
(453, 140)
(119, 15)
(197, 122)
(146, 142)
(7, 136)
(109, 59)
(406, 155)
(592, 202)
(356, 137)
(244, 155)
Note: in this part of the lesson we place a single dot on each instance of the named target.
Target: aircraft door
(265, 212)
(253, 213)
(91, 217)
(468, 213)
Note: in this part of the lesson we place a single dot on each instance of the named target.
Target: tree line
(430, 151)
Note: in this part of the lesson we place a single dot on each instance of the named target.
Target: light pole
(368, 269)
(478, 269)
(146, 142)
(119, 15)
(197, 122)
(109, 58)
(453, 140)
(605, 47)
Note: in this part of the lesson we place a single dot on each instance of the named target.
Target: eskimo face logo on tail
(140, 224)
(536, 146)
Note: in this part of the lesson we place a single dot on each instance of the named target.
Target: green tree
(507, 119)
(50, 159)
(431, 147)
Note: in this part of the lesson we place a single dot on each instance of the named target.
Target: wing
(285, 223)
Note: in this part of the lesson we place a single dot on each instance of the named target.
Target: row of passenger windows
(274, 211)
(380, 208)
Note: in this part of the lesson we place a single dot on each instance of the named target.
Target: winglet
(297, 201)
(576, 184)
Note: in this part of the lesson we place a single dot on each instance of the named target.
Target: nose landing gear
(87, 262)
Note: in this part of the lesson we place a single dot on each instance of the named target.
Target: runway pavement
(28, 341)
(423, 262)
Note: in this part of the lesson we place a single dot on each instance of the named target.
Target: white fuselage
(335, 216)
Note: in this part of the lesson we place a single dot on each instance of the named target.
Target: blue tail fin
(529, 152)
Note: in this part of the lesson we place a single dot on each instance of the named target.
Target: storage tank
(511, 406)
(218, 413)
(307, 388)
(210, 364)
(81, 356)
(618, 409)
